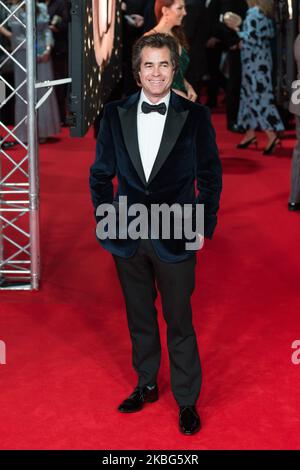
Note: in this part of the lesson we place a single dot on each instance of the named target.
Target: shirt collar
(143, 97)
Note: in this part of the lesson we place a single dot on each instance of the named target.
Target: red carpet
(68, 350)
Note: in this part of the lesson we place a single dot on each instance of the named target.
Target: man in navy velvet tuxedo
(158, 144)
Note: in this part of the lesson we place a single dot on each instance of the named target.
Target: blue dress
(257, 103)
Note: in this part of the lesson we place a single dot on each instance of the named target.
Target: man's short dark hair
(155, 41)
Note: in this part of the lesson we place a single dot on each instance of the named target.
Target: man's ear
(138, 81)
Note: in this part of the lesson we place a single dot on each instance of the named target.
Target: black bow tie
(150, 108)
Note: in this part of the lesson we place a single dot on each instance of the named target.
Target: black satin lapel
(128, 118)
(173, 126)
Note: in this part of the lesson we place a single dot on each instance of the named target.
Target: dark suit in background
(59, 17)
(131, 34)
(149, 16)
(227, 40)
(230, 42)
(195, 29)
(213, 9)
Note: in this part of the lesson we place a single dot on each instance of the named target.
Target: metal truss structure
(19, 178)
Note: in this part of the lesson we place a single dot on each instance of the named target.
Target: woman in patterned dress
(257, 104)
(169, 15)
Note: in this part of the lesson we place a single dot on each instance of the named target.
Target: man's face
(156, 72)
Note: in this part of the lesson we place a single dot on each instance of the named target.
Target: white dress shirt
(150, 129)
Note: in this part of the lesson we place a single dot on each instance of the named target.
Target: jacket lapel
(128, 118)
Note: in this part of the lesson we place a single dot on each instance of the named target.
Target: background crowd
(52, 63)
(225, 60)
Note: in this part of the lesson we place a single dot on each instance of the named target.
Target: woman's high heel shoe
(269, 150)
(244, 145)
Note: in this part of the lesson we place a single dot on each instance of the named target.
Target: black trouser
(216, 78)
(139, 276)
(233, 90)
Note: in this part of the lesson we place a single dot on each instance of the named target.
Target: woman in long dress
(48, 115)
(257, 104)
(169, 15)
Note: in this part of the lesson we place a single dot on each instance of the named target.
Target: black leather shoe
(246, 143)
(294, 206)
(7, 145)
(270, 149)
(136, 400)
(189, 421)
(236, 128)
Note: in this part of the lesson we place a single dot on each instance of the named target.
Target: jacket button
(147, 192)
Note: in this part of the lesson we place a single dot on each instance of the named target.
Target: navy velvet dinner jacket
(187, 153)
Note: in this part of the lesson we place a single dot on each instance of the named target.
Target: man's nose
(156, 71)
